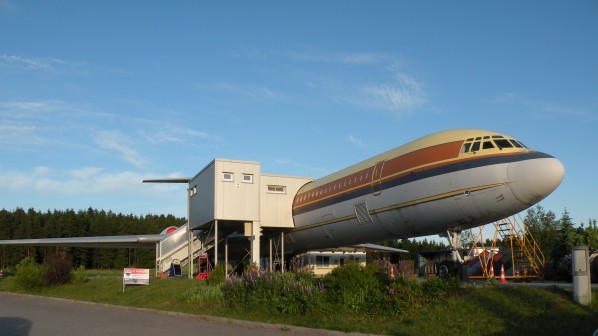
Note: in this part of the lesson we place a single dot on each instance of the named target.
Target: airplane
(441, 183)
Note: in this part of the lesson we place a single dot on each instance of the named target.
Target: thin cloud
(249, 92)
(121, 144)
(16, 61)
(396, 91)
(82, 181)
(175, 134)
(358, 142)
(402, 96)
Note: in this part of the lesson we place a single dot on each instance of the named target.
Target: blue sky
(96, 96)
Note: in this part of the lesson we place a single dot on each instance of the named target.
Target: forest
(32, 224)
(555, 236)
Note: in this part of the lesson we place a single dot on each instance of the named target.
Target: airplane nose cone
(533, 180)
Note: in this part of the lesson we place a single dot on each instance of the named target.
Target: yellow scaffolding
(526, 257)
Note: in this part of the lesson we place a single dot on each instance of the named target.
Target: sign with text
(135, 276)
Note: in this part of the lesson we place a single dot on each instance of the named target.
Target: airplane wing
(131, 241)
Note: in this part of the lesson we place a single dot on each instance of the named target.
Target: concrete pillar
(582, 290)
(255, 243)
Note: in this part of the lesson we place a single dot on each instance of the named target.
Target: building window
(322, 261)
(247, 178)
(277, 189)
(227, 176)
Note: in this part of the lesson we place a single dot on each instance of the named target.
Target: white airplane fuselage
(452, 180)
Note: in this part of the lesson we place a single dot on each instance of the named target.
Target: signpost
(135, 276)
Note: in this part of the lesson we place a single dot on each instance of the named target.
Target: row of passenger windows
(490, 142)
(337, 185)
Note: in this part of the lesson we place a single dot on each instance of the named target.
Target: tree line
(556, 237)
(33, 224)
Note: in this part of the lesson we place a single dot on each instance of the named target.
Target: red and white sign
(136, 276)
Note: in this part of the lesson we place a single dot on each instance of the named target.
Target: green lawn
(475, 311)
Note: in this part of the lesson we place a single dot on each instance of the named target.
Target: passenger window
(476, 146)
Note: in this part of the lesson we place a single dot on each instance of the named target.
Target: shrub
(354, 288)
(57, 268)
(29, 275)
(287, 293)
(79, 276)
(216, 275)
(437, 287)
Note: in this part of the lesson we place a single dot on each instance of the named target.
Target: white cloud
(368, 80)
(31, 63)
(249, 92)
(358, 142)
(83, 181)
(402, 96)
(175, 134)
(121, 144)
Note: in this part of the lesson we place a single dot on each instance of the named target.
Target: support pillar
(271, 266)
(282, 252)
(215, 242)
(226, 258)
(255, 243)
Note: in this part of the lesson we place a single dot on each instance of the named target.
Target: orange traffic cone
(392, 271)
(491, 274)
(502, 275)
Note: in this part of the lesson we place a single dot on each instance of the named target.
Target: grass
(475, 311)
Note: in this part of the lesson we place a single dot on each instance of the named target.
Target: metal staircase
(176, 247)
(526, 256)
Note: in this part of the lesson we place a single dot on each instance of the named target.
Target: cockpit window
(503, 143)
(472, 145)
(488, 145)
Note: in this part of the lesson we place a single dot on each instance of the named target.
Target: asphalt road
(25, 315)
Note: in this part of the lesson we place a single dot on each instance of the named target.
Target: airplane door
(377, 178)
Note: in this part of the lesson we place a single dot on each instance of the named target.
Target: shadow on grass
(530, 311)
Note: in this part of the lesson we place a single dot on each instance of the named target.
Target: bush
(357, 289)
(287, 293)
(57, 268)
(216, 275)
(352, 289)
(79, 276)
(29, 275)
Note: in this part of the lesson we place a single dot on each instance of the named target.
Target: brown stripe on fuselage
(401, 165)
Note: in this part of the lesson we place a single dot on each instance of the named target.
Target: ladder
(526, 256)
